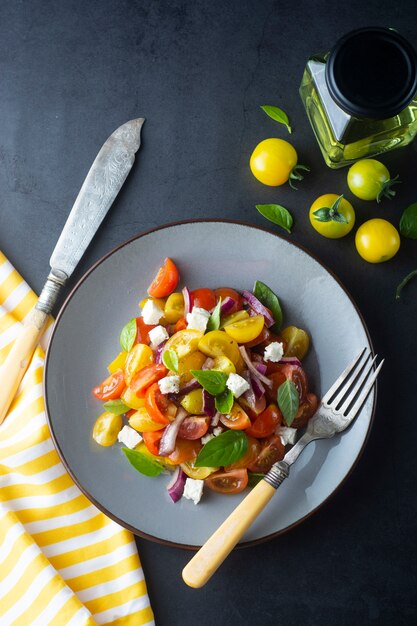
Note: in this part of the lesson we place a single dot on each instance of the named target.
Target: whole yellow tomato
(332, 216)
(274, 162)
(377, 240)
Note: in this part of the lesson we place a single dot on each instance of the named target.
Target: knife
(101, 186)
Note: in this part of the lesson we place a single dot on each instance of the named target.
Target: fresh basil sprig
(116, 406)
(288, 401)
(331, 214)
(143, 463)
(269, 299)
(224, 402)
(403, 283)
(214, 319)
(278, 115)
(128, 335)
(408, 222)
(223, 449)
(211, 380)
(277, 214)
(170, 360)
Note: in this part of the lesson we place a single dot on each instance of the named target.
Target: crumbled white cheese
(193, 490)
(287, 435)
(158, 335)
(206, 438)
(169, 384)
(198, 319)
(217, 431)
(237, 385)
(129, 437)
(274, 352)
(151, 313)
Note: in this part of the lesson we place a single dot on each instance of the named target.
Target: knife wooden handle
(212, 554)
(15, 365)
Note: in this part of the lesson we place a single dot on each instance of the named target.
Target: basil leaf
(408, 222)
(223, 449)
(170, 360)
(269, 299)
(288, 401)
(143, 463)
(214, 319)
(211, 380)
(278, 115)
(322, 215)
(224, 402)
(404, 282)
(128, 335)
(277, 214)
(254, 478)
(116, 406)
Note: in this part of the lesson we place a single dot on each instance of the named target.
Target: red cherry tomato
(193, 427)
(203, 298)
(111, 388)
(142, 331)
(290, 372)
(272, 451)
(228, 482)
(180, 325)
(152, 440)
(226, 292)
(165, 281)
(277, 379)
(146, 377)
(266, 423)
(305, 411)
(159, 408)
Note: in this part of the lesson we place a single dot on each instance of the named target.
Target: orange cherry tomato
(185, 450)
(226, 292)
(272, 451)
(111, 388)
(146, 377)
(193, 427)
(228, 482)
(180, 325)
(237, 418)
(142, 331)
(305, 411)
(159, 408)
(266, 423)
(165, 281)
(152, 439)
(203, 298)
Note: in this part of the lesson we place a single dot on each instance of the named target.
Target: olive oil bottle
(361, 96)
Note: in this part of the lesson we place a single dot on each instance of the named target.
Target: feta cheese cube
(151, 313)
(198, 319)
(206, 438)
(169, 384)
(217, 431)
(287, 435)
(274, 352)
(193, 490)
(237, 385)
(129, 437)
(158, 335)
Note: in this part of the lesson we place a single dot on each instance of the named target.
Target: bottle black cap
(372, 73)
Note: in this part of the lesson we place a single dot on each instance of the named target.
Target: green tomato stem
(403, 283)
(386, 191)
(295, 174)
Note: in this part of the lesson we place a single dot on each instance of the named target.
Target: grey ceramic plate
(86, 338)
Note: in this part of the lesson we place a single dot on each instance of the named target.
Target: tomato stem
(295, 174)
(386, 191)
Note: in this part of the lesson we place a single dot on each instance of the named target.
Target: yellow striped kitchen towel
(62, 561)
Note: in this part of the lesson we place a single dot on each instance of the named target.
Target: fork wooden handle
(212, 554)
(15, 365)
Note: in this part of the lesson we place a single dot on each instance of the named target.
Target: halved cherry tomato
(198, 473)
(305, 411)
(254, 411)
(261, 338)
(180, 325)
(131, 399)
(277, 378)
(246, 330)
(203, 298)
(174, 308)
(218, 343)
(184, 342)
(272, 451)
(185, 450)
(165, 281)
(254, 448)
(226, 292)
(152, 439)
(193, 427)
(118, 363)
(298, 377)
(158, 406)
(193, 361)
(111, 388)
(106, 428)
(141, 421)
(139, 356)
(142, 331)
(228, 482)
(266, 423)
(146, 377)
(237, 419)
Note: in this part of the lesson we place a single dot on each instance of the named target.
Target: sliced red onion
(257, 387)
(261, 367)
(209, 407)
(169, 438)
(187, 301)
(249, 395)
(208, 363)
(291, 359)
(176, 485)
(215, 420)
(190, 386)
(257, 306)
(252, 367)
(227, 305)
(158, 353)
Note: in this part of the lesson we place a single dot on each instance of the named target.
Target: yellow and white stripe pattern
(62, 561)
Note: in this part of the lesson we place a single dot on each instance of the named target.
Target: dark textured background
(70, 73)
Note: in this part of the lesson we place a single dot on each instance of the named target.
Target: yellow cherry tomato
(184, 342)
(331, 217)
(118, 363)
(369, 179)
(106, 428)
(143, 423)
(377, 240)
(246, 330)
(193, 361)
(139, 356)
(273, 161)
(174, 308)
(218, 343)
(193, 402)
(223, 364)
(297, 341)
(130, 398)
(198, 473)
(235, 317)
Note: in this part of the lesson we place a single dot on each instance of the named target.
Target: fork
(337, 410)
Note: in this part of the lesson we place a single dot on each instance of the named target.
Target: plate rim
(112, 516)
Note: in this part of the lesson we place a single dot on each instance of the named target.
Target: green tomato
(369, 179)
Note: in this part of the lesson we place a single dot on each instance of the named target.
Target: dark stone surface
(70, 73)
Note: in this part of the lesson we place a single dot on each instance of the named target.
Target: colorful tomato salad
(207, 387)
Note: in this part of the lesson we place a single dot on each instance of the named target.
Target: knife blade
(101, 186)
